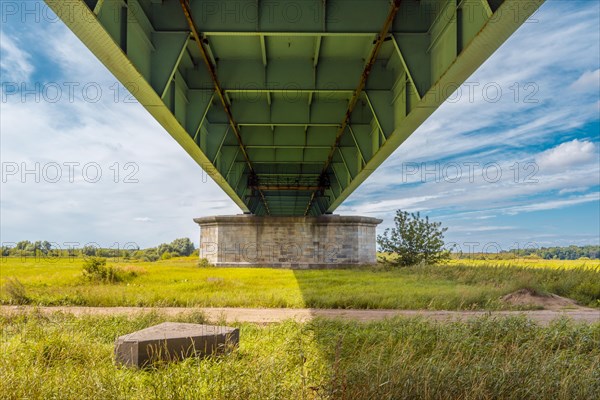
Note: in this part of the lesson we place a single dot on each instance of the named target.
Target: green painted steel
(288, 70)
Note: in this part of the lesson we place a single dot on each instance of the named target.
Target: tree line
(44, 249)
(546, 253)
(562, 253)
(414, 239)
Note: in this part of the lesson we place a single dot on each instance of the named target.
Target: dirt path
(270, 315)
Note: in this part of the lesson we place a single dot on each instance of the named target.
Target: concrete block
(327, 241)
(172, 341)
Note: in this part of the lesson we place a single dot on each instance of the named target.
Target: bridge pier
(326, 241)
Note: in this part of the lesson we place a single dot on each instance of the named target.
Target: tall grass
(180, 282)
(61, 356)
(531, 263)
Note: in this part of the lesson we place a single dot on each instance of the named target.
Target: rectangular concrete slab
(173, 341)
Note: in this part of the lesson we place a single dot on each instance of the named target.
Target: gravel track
(272, 315)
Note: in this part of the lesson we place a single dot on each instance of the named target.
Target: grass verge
(180, 282)
(67, 357)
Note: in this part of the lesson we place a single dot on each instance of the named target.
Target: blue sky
(460, 167)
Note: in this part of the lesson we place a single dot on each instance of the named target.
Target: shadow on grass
(414, 358)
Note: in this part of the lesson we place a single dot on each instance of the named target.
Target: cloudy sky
(82, 163)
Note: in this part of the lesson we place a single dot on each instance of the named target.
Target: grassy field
(66, 357)
(533, 263)
(459, 285)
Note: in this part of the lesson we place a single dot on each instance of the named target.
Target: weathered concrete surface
(327, 241)
(172, 341)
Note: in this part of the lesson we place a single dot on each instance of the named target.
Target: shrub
(414, 240)
(95, 269)
(204, 263)
(150, 257)
(16, 292)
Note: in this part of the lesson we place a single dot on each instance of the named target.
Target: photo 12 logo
(454, 172)
(54, 92)
(68, 171)
(488, 92)
(266, 252)
(53, 252)
(475, 250)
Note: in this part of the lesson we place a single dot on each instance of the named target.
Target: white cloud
(15, 63)
(72, 56)
(475, 196)
(171, 187)
(554, 204)
(573, 190)
(414, 203)
(488, 228)
(589, 81)
(567, 154)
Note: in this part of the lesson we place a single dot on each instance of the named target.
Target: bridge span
(289, 105)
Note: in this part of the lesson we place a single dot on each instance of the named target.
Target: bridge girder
(287, 71)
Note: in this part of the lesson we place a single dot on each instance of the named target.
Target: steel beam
(282, 124)
(362, 156)
(98, 6)
(375, 117)
(361, 85)
(286, 146)
(213, 74)
(174, 67)
(487, 8)
(405, 66)
(275, 188)
(203, 116)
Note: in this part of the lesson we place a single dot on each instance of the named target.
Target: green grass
(67, 357)
(179, 282)
(533, 263)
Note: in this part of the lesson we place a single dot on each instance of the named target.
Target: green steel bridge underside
(289, 105)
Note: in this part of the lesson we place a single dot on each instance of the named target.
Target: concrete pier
(327, 241)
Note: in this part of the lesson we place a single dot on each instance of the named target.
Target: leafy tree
(6, 251)
(138, 254)
(164, 248)
(150, 256)
(89, 250)
(414, 240)
(183, 246)
(22, 245)
(46, 247)
(178, 247)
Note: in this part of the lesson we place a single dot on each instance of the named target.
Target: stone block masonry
(327, 241)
